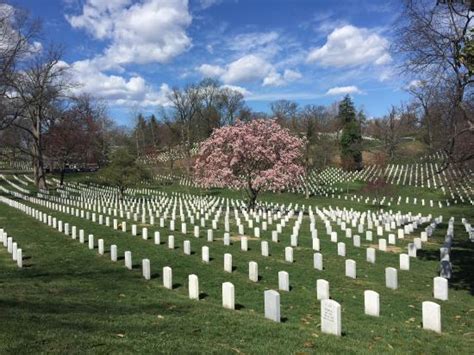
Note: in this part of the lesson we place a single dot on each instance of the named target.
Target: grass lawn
(68, 298)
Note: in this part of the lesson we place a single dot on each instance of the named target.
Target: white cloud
(212, 71)
(246, 69)
(115, 88)
(250, 68)
(148, 31)
(240, 89)
(343, 90)
(291, 75)
(273, 79)
(208, 3)
(351, 46)
(277, 79)
(263, 42)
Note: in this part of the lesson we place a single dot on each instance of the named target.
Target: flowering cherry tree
(255, 156)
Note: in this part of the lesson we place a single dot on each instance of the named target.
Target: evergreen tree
(351, 138)
(124, 171)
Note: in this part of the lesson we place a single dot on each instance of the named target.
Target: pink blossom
(259, 155)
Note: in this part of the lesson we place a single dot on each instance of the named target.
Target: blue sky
(131, 53)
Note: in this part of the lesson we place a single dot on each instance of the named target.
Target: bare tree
(285, 112)
(431, 37)
(36, 98)
(231, 102)
(17, 33)
(186, 105)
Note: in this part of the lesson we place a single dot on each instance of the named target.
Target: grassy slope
(70, 299)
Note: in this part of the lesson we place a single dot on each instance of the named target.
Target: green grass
(70, 299)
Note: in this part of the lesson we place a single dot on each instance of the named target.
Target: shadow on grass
(462, 259)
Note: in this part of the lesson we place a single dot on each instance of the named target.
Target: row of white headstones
(294, 237)
(12, 247)
(440, 284)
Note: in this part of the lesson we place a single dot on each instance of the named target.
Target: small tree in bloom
(255, 156)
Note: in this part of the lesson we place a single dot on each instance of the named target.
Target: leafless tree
(231, 102)
(17, 34)
(430, 38)
(186, 103)
(36, 95)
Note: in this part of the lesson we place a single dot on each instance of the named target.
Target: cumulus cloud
(343, 90)
(246, 69)
(212, 71)
(250, 68)
(291, 75)
(351, 46)
(273, 79)
(115, 88)
(144, 32)
(240, 89)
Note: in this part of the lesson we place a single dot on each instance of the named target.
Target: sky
(132, 52)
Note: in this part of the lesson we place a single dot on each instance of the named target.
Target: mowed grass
(70, 299)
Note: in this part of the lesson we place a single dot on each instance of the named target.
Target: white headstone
(113, 252)
(341, 249)
(283, 281)
(244, 243)
(101, 246)
(412, 250)
(168, 277)
(404, 262)
(322, 289)
(392, 239)
(187, 247)
(431, 316)
(264, 247)
(318, 261)
(368, 235)
(253, 271)
(19, 258)
(330, 317)
(272, 305)
(356, 240)
(91, 241)
(391, 278)
(316, 244)
(14, 250)
(351, 268)
(193, 286)
(289, 254)
(146, 269)
(128, 260)
(228, 262)
(205, 254)
(372, 303)
(228, 295)
(440, 288)
(371, 255)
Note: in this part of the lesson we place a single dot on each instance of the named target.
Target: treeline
(41, 119)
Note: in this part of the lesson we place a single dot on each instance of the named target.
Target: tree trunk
(63, 173)
(252, 193)
(37, 153)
